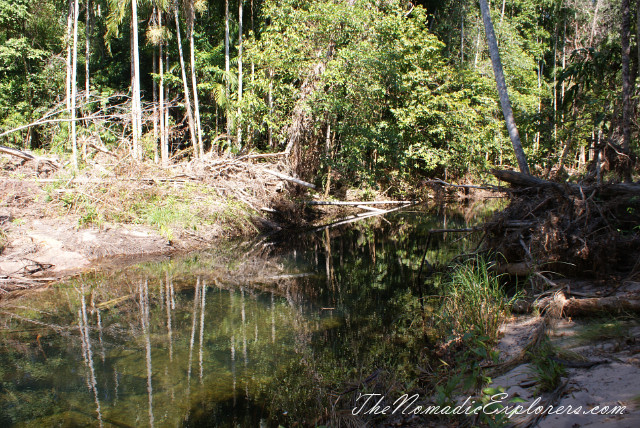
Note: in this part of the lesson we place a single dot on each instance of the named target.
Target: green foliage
(474, 301)
(549, 373)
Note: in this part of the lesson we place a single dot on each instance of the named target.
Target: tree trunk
(87, 34)
(593, 24)
(194, 83)
(227, 60)
(187, 97)
(164, 153)
(627, 108)
(462, 32)
(270, 105)
(136, 110)
(166, 110)
(155, 97)
(69, 43)
(502, 88)
(74, 86)
(239, 120)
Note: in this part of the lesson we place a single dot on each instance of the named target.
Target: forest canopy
(366, 91)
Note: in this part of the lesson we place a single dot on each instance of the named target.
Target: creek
(254, 333)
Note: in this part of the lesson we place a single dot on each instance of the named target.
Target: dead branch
(608, 190)
(289, 178)
(462, 186)
(360, 203)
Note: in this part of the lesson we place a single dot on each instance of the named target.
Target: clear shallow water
(253, 334)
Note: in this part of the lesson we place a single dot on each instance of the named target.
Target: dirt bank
(54, 223)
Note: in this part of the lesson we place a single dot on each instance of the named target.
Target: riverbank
(55, 223)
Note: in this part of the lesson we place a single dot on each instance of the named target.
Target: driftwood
(598, 305)
(358, 217)
(29, 157)
(461, 186)
(523, 180)
(355, 204)
(576, 307)
(289, 178)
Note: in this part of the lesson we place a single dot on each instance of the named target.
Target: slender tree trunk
(187, 96)
(253, 73)
(637, 38)
(502, 88)
(593, 24)
(627, 108)
(270, 104)
(502, 13)
(227, 59)
(194, 83)
(475, 61)
(164, 154)
(69, 42)
(74, 86)
(166, 110)
(462, 32)
(156, 112)
(155, 107)
(239, 125)
(87, 34)
(136, 106)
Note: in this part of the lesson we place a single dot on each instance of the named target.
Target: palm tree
(502, 88)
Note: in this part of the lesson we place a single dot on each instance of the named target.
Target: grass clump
(605, 329)
(474, 300)
(548, 371)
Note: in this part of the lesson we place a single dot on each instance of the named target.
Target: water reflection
(252, 334)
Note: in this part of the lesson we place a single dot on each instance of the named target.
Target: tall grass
(474, 301)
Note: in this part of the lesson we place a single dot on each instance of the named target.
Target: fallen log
(573, 307)
(17, 153)
(28, 156)
(461, 186)
(519, 179)
(289, 178)
(357, 217)
(598, 305)
(360, 203)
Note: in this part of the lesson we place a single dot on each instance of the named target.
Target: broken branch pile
(567, 228)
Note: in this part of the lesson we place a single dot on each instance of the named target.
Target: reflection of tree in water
(309, 318)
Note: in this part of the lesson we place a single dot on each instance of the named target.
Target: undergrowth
(474, 301)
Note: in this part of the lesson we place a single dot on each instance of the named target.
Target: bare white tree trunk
(155, 106)
(502, 88)
(270, 103)
(136, 110)
(194, 84)
(593, 24)
(166, 110)
(239, 126)
(226, 57)
(74, 86)
(187, 96)
(164, 154)
(69, 42)
(87, 34)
